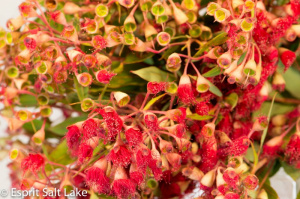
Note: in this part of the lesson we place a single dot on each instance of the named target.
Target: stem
(103, 92)
(144, 102)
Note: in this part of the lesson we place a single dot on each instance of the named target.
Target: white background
(284, 185)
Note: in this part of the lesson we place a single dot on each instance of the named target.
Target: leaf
(195, 116)
(61, 128)
(270, 191)
(27, 100)
(213, 72)
(232, 100)
(154, 74)
(264, 134)
(37, 125)
(217, 40)
(242, 57)
(298, 195)
(82, 92)
(290, 170)
(133, 58)
(292, 81)
(152, 101)
(255, 156)
(61, 154)
(215, 90)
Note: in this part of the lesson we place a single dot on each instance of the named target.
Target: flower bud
(290, 35)
(45, 111)
(265, 90)
(223, 139)
(139, 46)
(215, 52)
(209, 178)
(206, 33)
(174, 159)
(91, 26)
(202, 84)
(208, 129)
(183, 144)
(247, 24)
(50, 4)
(71, 8)
(224, 60)
(42, 99)
(278, 82)
(219, 179)
(151, 121)
(84, 79)
(16, 155)
(250, 68)
(24, 115)
(121, 98)
(12, 72)
(250, 182)
(193, 173)
(221, 14)
(212, 7)
(262, 194)
(126, 3)
(150, 31)
(39, 136)
(192, 17)
(171, 88)
(101, 10)
(130, 24)
(99, 42)
(104, 76)
(163, 38)
(231, 67)
(237, 75)
(15, 23)
(89, 60)
(165, 146)
(279, 120)
(42, 67)
(173, 62)
(195, 31)
(129, 38)
(58, 17)
(69, 32)
(157, 9)
(179, 16)
(260, 123)
(87, 104)
(27, 10)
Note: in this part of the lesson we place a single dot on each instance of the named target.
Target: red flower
(185, 91)
(105, 76)
(34, 162)
(113, 122)
(85, 152)
(292, 150)
(151, 121)
(287, 57)
(232, 196)
(99, 42)
(97, 180)
(155, 87)
(137, 177)
(30, 43)
(90, 128)
(133, 136)
(73, 138)
(202, 108)
(120, 156)
(123, 188)
(239, 146)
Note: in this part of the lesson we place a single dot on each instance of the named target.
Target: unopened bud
(15, 23)
(165, 146)
(179, 16)
(50, 4)
(209, 178)
(224, 60)
(250, 68)
(121, 98)
(39, 136)
(278, 82)
(260, 123)
(71, 8)
(193, 173)
(262, 194)
(202, 84)
(279, 120)
(174, 159)
(208, 129)
(215, 52)
(69, 32)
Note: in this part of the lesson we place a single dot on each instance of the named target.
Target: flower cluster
(157, 99)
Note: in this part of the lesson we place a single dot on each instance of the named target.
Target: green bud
(195, 31)
(12, 72)
(87, 104)
(101, 10)
(45, 111)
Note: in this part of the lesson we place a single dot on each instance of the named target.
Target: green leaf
(263, 136)
(292, 81)
(152, 101)
(82, 92)
(216, 41)
(270, 191)
(61, 154)
(255, 156)
(215, 90)
(278, 109)
(232, 100)
(27, 100)
(213, 72)
(242, 57)
(61, 128)
(195, 116)
(133, 58)
(153, 73)
(298, 195)
(290, 170)
(37, 125)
